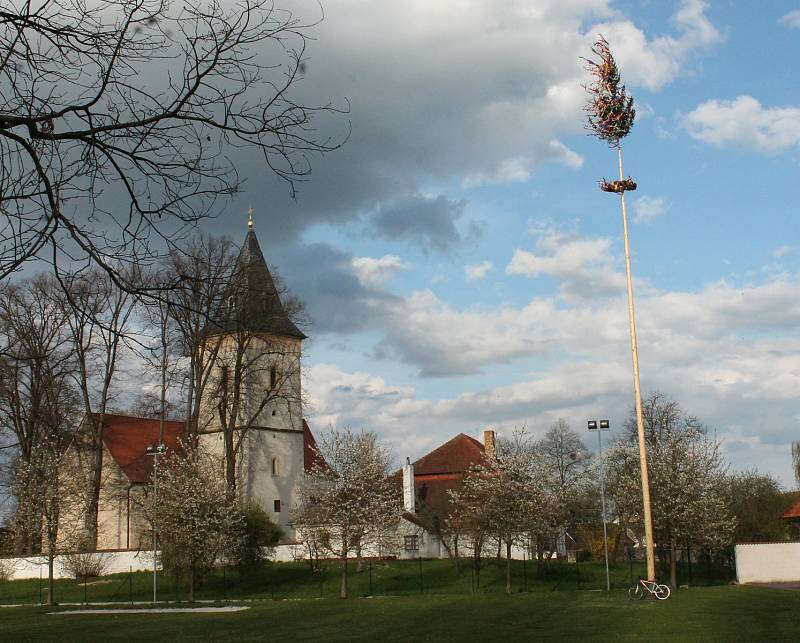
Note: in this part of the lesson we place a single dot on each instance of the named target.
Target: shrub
(84, 563)
(261, 535)
(7, 566)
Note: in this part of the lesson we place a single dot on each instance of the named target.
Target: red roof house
(793, 512)
(442, 470)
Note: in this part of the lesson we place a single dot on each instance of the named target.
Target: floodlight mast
(155, 450)
(604, 425)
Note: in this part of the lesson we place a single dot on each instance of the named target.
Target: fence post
(421, 589)
(130, 583)
(224, 585)
(40, 585)
(84, 588)
(370, 577)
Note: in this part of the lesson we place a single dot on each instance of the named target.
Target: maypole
(610, 117)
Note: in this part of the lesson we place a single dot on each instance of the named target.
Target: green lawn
(388, 578)
(722, 613)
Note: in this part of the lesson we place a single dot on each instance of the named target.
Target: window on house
(273, 376)
(276, 467)
(276, 506)
(411, 543)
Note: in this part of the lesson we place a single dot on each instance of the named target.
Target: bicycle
(648, 587)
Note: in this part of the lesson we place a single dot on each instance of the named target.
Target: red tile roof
(455, 456)
(127, 437)
(439, 472)
(311, 457)
(793, 512)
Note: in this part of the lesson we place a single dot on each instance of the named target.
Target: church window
(276, 506)
(231, 304)
(276, 467)
(273, 376)
(411, 543)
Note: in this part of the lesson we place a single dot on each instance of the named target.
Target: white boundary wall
(768, 563)
(120, 561)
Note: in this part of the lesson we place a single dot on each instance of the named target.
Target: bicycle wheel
(636, 592)
(662, 592)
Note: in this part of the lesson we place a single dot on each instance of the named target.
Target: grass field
(722, 613)
(296, 580)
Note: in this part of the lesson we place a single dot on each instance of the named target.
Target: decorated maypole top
(609, 110)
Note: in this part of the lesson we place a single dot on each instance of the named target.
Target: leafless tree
(796, 461)
(98, 315)
(119, 120)
(200, 272)
(569, 463)
(37, 394)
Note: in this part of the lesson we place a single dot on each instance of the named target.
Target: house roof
(439, 472)
(454, 456)
(127, 437)
(251, 300)
(793, 512)
(311, 457)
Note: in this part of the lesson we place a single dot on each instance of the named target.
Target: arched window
(276, 467)
(273, 376)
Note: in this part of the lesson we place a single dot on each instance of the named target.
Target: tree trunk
(345, 548)
(95, 483)
(192, 579)
(508, 567)
(615, 549)
(673, 564)
(50, 581)
(343, 587)
(457, 558)
(539, 553)
(230, 462)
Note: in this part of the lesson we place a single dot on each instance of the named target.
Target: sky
(463, 271)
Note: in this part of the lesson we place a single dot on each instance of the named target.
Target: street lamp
(155, 450)
(602, 425)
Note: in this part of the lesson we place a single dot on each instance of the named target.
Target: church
(259, 413)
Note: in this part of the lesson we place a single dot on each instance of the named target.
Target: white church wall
(274, 471)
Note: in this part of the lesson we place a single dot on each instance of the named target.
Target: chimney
(488, 443)
(408, 487)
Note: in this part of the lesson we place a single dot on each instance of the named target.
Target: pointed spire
(250, 218)
(252, 301)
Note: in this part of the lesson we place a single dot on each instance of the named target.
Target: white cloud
(583, 267)
(782, 251)
(728, 354)
(656, 62)
(648, 208)
(476, 271)
(375, 272)
(791, 19)
(744, 122)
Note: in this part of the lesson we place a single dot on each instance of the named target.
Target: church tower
(252, 407)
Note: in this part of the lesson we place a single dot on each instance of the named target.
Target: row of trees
(532, 492)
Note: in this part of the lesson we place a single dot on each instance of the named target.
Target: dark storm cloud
(428, 221)
(323, 278)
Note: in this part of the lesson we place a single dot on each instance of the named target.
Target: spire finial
(250, 218)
